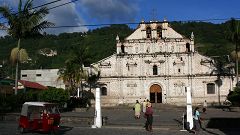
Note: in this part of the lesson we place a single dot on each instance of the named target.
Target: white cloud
(110, 10)
(64, 15)
(77, 13)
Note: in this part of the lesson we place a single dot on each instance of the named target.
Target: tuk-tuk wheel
(21, 129)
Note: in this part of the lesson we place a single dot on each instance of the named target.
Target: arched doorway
(155, 94)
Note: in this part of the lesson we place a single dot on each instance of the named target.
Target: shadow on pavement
(64, 129)
(229, 126)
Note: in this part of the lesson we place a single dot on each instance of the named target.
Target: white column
(189, 108)
(78, 92)
(98, 115)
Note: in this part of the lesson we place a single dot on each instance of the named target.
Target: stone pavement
(120, 121)
(166, 118)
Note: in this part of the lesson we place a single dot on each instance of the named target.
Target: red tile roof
(34, 85)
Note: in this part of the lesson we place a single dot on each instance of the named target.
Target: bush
(81, 102)
(234, 96)
(54, 95)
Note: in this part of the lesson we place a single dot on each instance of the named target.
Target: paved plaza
(120, 121)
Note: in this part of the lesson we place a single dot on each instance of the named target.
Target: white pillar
(98, 115)
(189, 108)
(78, 92)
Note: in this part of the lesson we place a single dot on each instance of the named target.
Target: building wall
(128, 74)
(46, 77)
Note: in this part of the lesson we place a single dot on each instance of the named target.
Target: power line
(107, 24)
(45, 4)
(134, 23)
(72, 1)
(93, 25)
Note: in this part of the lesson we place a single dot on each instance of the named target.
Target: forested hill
(210, 40)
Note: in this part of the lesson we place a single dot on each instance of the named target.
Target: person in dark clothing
(149, 117)
(196, 119)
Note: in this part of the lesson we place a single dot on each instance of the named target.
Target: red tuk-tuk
(39, 116)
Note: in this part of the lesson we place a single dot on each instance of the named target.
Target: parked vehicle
(39, 116)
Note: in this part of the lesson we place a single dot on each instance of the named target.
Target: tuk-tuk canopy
(38, 103)
(34, 106)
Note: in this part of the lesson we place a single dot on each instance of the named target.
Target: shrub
(234, 96)
(54, 95)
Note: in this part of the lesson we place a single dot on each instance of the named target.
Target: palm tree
(93, 77)
(27, 22)
(222, 69)
(73, 73)
(234, 36)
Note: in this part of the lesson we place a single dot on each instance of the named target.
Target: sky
(94, 12)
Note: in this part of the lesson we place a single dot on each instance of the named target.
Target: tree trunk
(81, 85)
(237, 62)
(16, 74)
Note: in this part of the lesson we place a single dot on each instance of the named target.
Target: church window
(179, 70)
(128, 66)
(136, 49)
(155, 70)
(148, 50)
(187, 47)
(172, 48)
(210, 88)
(149, 32)
(122, 49)
(181, 59)
(159, 32)
(103, 91)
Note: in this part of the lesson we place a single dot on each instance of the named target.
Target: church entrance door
(155, 94)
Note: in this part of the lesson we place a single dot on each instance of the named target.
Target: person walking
(137, 109)
(204, 106)
(144, 106)
(149, 117)
(148, 102)
(196, 119)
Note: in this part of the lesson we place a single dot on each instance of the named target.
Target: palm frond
(233, 55)
(20, 6)
(23, 55)
(41, 26)
(20, 55)
(13, 55)
(28, 5)
(6, 13)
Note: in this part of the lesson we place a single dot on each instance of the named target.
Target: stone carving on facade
(164, 57)
(105, 64)
(179, 88)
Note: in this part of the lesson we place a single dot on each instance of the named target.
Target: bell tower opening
(149, 32)
(188, 47)
(122, 49)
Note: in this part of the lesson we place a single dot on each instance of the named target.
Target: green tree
(27, 22)
(73, 72)
(223, 68)
(93, 77)
(55, 95)
(234, 96)
(233, 35)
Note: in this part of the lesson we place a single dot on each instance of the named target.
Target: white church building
(155, 62)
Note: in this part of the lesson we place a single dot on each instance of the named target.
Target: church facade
(157, 63)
